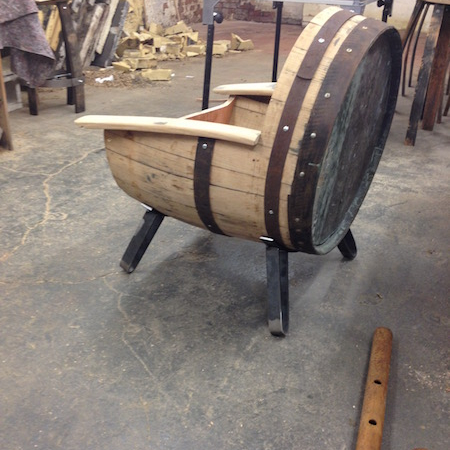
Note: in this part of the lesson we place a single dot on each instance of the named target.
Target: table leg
(438, 69)
(5, 130)
(75, 94)
(424, 74)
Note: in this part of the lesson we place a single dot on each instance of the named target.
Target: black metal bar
(348, 246)
(216, 17)
(277, 290)
(276, 52)
(141, 240)
(208, 63)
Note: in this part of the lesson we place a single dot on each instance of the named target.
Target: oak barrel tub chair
(287, 163)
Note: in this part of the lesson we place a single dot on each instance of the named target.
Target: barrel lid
(344, 138)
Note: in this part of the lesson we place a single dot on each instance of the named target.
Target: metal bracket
(348, 246)
(208, 11)
(277, 288)
(141, 240)
(387, 10)
(277, 265)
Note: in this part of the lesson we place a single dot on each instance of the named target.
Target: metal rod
(208, 64)
(279, 7)
(141, 240)
(374, 405)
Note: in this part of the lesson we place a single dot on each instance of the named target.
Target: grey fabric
(32, 59)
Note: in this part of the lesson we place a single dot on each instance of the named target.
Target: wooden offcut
(374, 405)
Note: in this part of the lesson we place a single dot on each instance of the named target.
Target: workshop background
(178, 355)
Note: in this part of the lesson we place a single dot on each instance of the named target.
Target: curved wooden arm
(257, 89)
(167, 125)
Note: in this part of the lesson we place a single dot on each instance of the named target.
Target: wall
(168, 12)
(401, 12)
(259, 11)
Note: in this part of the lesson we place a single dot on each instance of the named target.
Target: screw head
(204, 146)
(285, 128)
(349, 50)
(271, 212)
(321, 40)
(301, 174)
(313, 135)
(327, 95)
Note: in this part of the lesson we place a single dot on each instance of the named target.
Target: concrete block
(13, 94)
(131, 53)
(200, 49)
(246, 45)
(127, 43)
(180, 27)
(121, 66)
(219, 49)
(237, 43)
(171, 49)
(156, 28)
(191, 38)
(235, 39)
(141, 63)
(157, 74)
(159, 41)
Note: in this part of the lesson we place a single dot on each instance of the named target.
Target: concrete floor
(177, 355)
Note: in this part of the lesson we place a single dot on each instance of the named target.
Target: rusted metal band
(319, 128)
(202, 178)
(289, 117)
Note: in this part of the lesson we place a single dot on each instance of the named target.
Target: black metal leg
(141, 240)
(348, 246)
(277, 290)
(33, 101)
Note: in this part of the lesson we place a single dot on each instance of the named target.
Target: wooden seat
(286, 164)
(262, 163)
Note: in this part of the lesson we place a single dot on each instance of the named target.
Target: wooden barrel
(323, 129)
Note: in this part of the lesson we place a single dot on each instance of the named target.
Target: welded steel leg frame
(277, 290)
(141, 240)
(278, 282)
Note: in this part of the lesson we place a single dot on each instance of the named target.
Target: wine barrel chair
(285, 163)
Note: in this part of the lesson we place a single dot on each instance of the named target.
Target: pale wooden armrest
(166, 125)
(259, 89)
